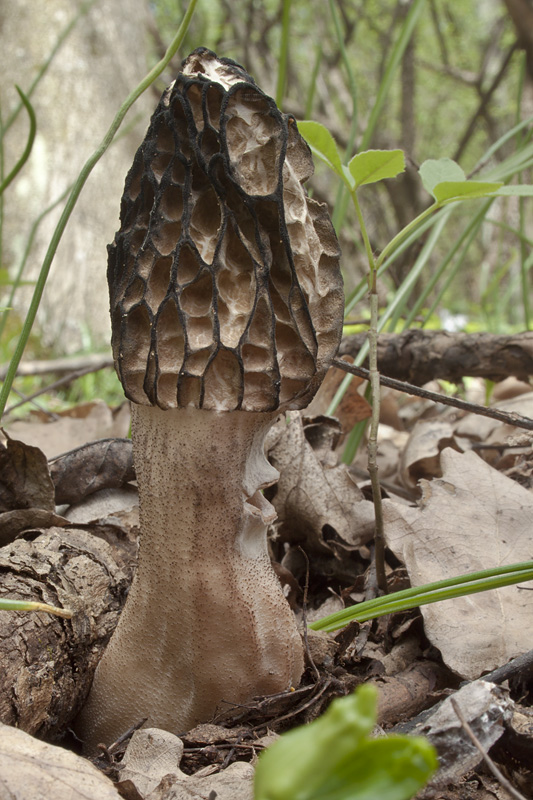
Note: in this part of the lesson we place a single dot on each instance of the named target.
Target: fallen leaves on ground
(459, 497)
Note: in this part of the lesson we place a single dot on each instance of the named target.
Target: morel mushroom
(227, 308)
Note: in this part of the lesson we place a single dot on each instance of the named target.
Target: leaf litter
(459, 498)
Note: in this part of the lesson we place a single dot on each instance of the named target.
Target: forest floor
(458, 497)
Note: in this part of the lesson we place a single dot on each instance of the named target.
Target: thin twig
(61, 365)
(494, 413)
(314, 697)
(65, 380)
(304, 616)
(379, 534)
(486, 758)
(521, 665)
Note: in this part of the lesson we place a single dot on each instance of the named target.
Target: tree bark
(419, 356)
(100, 61)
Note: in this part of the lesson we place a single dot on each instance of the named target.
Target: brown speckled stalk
(206, 620)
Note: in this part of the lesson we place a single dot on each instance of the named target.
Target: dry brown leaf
(25, 481)
(73, 428)
(492, 431)
(313, 492)
(421, 456)
(105, 464)
(353, 407)
(473, 518)
(23, 519)
(151, 762)
(151, 754)
(32, 769)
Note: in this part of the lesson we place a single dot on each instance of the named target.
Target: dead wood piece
(486, 758)
(406, 694)
(419, 356)
(519, 668)
(486, 707)
(48, 662)
(514, 750)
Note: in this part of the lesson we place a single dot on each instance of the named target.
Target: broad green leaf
(334, 758)
(435, 171)
(518, 190)
(388, 768)
(448, 191)
(322, 144)
(375, 165)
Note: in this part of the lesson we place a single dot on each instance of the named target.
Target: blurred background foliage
(436, 78)
(461, 83)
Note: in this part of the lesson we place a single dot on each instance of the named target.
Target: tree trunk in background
(101, 60)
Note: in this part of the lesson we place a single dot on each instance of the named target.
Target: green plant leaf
(436, 170)
(322, 144)
(517, 190)
(450, 191)
(375, 165)
(333, 758)
(446, 181)
(363, 776)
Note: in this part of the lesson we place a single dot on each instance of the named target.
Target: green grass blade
(309, 103)
(29, 143)
(27, 249)
(393, 63)
(283, 53)
(459, 586)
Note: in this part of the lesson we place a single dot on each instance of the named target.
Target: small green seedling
(335, 758)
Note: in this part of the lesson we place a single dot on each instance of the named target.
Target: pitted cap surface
(224, 277)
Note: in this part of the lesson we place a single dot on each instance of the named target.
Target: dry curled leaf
(31, 769)
(12, 523)
(314, 492)
(421, 455)
(472, 518)
(352, 408)
(24, 478)
(152, 761)
(105, 464)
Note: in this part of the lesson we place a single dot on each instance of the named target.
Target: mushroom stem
(206, 620)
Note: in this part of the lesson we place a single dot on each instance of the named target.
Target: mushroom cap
(224, 278)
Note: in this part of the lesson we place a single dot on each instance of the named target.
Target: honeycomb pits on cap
(224, 277)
